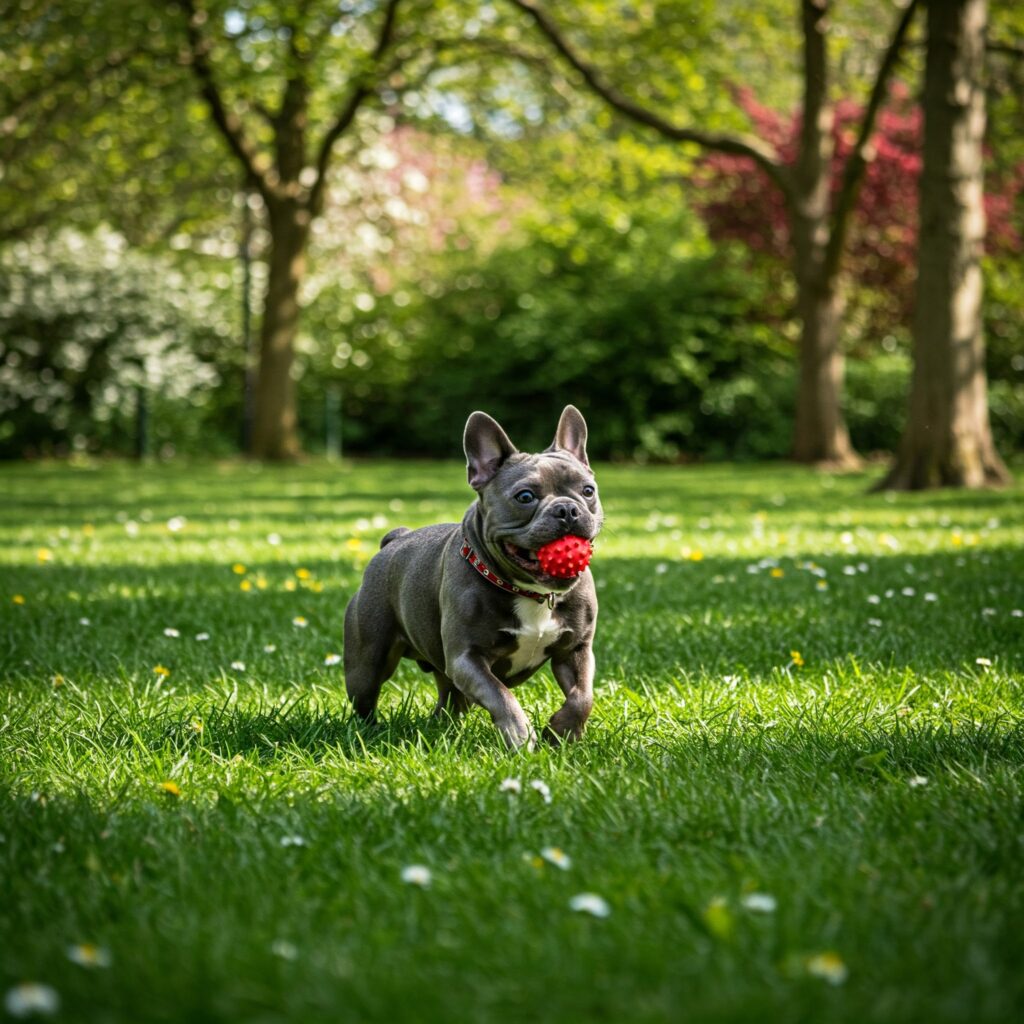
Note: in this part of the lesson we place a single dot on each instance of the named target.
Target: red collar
(488, 574)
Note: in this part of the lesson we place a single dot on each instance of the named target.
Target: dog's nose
(566, 510)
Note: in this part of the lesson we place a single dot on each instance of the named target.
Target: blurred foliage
(98, 124)
(492, 238)
(82, 329)
(664, 344)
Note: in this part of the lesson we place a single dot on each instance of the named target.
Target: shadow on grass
(302, 724)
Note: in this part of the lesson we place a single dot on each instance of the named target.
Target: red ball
(566, 557)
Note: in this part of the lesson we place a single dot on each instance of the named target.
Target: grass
(715, 766)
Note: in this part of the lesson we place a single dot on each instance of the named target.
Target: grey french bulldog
(470, 603)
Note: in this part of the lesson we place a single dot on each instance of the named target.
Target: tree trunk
(275, 424)
(820, 434)
(947, 441)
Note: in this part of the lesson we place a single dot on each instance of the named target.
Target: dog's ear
(487, 446)
(571, 435)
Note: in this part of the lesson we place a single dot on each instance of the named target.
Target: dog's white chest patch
(539, 627)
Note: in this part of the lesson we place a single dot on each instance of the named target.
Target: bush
(85, 323)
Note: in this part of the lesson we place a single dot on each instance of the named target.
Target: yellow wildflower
(161, 671)
(18, 599)
(44, 555)
(303, 574)
(778, 573)
(170, 788)
(797, 657)
(238, 569)
(245, 585)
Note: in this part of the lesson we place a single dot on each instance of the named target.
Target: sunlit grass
(804, 694)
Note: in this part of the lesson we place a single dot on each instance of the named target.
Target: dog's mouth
(522, 557)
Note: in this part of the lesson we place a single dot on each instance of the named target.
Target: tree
(881, 251)
(948, 439)
(273, 76)
(818, 220)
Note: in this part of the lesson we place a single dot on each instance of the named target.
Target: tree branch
(856, 164)
(255, 164)
(347, 114)
(1006, 49)
(736, 145)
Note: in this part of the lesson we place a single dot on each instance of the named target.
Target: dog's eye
(526, 497)
(589, 491)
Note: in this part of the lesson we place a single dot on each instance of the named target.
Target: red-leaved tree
(739, 202)
(818, 217)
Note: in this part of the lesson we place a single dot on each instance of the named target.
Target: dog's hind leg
(450, 701)
(372, 652)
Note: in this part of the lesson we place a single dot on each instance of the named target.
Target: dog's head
(527, 501)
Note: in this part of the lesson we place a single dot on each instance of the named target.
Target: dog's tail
(398, 531)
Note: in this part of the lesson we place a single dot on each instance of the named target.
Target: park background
(238, 237)
(340, 227)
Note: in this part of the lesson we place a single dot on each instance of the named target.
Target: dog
(470, 602)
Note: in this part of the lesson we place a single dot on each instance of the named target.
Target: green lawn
(870, 784)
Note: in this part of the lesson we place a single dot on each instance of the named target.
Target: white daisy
(292, 841)
(332, 659)
(201, 637)
(917, 780)
(759, 902)
(30, 997)
(269, 648)
(85, 954)
(171, 632)
(542, 788)
(238, 666)
(590, 903)
(828, 966)
(510, 786)
(417, 874)
(284, 949)
(557, 856)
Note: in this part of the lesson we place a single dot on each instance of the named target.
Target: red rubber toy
(566, 557)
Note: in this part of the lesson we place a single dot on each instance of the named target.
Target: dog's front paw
(563, 728)
(518, 734)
